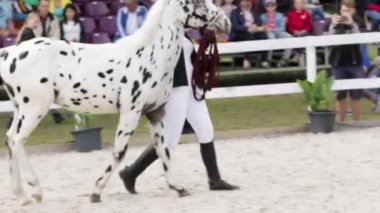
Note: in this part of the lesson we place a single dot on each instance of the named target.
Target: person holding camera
(346, 60)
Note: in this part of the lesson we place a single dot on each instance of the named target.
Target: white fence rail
(309, 42)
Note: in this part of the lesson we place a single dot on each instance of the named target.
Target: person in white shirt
(130, 18)
(70, 27)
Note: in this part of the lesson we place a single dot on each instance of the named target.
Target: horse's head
(204, 13)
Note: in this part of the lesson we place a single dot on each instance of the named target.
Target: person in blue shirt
(130, 18)
(7, 27)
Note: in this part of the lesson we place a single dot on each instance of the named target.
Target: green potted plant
(86, 138)
(320, 99)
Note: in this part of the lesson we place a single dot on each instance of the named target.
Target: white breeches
(181, 106)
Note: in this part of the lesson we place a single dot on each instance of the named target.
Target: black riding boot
(209, 159)
(129, 174)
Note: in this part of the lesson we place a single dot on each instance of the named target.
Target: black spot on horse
(162, 139)
(97, 181)
(104, 85)
(76, 85)
(79, 60)
(43, 80)
(122, 153)
(123, 80)
(100, 74)
(69, 76)
(73, 52)
(133, 107)
(67, 42)
(62, 75)
(94, 96)
(111, 79)
(96, 106)
(64, 53)
(136, 96)
(154, 84)
(109, 168)
(111, 60)
(135, 87)
(39, 41)
(109, 71)
(12, 68)
(146, 75)
(6, 56)
(164, 75)
(83, 91)
(56, 93)
(128, 63)
(19, 125)
(26, 99)
(165, 167)
(18, 89)
(47, 43)
(104, 96)
(23, 55)
(111, 102)
(76, 103)
(167, 152)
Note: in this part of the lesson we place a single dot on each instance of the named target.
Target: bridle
(196, 15)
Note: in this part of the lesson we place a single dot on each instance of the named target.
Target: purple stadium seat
(96, 9)
(107, 25)
(89, 27)
(100, 38)
(320, 26)
(116, 5)
(9, 41)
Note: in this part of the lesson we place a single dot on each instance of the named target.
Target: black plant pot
(322, 122)
(86, 140)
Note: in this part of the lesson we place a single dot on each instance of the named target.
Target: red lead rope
(206, 65)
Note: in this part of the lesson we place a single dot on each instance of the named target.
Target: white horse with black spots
(132, 76)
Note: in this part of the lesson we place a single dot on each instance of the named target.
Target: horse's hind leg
(158, 131)
(29, 115)
(14, 167)
(127, 125)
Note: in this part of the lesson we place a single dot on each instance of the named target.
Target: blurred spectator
(316, 9)
(56, 7)
(246, 26)
(346, 60)
(49, 26)
(7, 27)
(299, 20)
(70, 27)
(284, 6)
(20, 10)
(373, 94)
(130, 18)
(27, 30)
(274, 23)
(373, 13)
(227, 7)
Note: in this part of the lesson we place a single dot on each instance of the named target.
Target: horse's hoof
(37, 197)
(95, 198)
(183, 193)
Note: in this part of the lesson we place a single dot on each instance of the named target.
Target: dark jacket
(180, 76)
(26, 34)
(345, 55)
(238, 20)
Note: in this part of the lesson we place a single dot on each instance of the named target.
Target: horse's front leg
(157, 128)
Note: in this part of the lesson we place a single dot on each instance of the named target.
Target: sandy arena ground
(338, 172)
